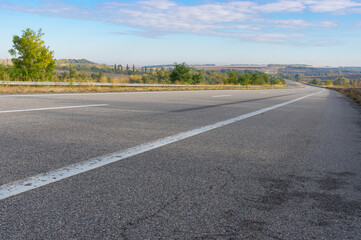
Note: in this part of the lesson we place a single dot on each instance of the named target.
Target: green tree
(32, 59)
(298, 77)
(72, 72)
(162, 76)
(4, 72)
(266, 78)
(258, 79)
(315, 82)
(83, 75)
(232, 78)
(196, 78)
(328, 83)
(277, 81)
(180, 73)
(244, 79)
(342, 81)
(100, 76)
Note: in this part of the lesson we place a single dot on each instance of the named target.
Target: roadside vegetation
(34, 61)
(176, 74)
(9, 89)
(338, 82)
(354, 93)
(344, 85)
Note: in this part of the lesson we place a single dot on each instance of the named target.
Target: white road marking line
(222, 96)
(52, 108)
(43, 179)
(76, 94)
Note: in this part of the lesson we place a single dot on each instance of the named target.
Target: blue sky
(145, 32)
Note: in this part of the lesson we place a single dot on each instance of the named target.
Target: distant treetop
(74, 61)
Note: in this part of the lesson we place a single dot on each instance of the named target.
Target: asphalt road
(289, 171)
(290, 83)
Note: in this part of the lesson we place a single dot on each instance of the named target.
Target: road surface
(229, 164)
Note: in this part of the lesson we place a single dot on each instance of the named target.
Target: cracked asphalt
(290, 173)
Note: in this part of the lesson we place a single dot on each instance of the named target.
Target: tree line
(183, 74)
(115, 69)
(34, 61)
(342, 81)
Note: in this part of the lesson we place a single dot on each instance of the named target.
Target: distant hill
(160, 66)
(6, 61)
(74, 62)
(232, 67)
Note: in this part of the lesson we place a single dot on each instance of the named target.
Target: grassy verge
(8, 89)
(354, 93)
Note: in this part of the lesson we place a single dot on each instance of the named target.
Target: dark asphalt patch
(280, 191)
(229, 103)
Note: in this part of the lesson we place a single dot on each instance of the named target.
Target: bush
(315, 82)
(328, 83)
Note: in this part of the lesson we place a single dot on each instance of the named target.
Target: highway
(221, 164)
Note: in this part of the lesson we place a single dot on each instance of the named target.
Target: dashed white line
(222, 96)
(43, 179)
(52, 108)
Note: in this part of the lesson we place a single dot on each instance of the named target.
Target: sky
(155, 32)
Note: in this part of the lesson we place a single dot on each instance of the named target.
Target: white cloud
(302, 23)
(266, 37)
(333, 6)
(158, 4)
(282, 6)
(57, 9)
(246, 20)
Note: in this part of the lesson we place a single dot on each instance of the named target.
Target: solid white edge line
(75, 94)
(43, 179)
(52, 108)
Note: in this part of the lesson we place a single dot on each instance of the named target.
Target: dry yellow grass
(354, 93)
(8, 89)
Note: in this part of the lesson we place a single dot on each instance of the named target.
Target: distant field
(351, 76)
(234, 67)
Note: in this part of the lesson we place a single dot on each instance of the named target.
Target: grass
(354, 93)
(8, 89)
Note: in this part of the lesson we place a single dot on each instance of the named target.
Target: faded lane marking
(52, 108)
(43, 179)
(222, 96)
